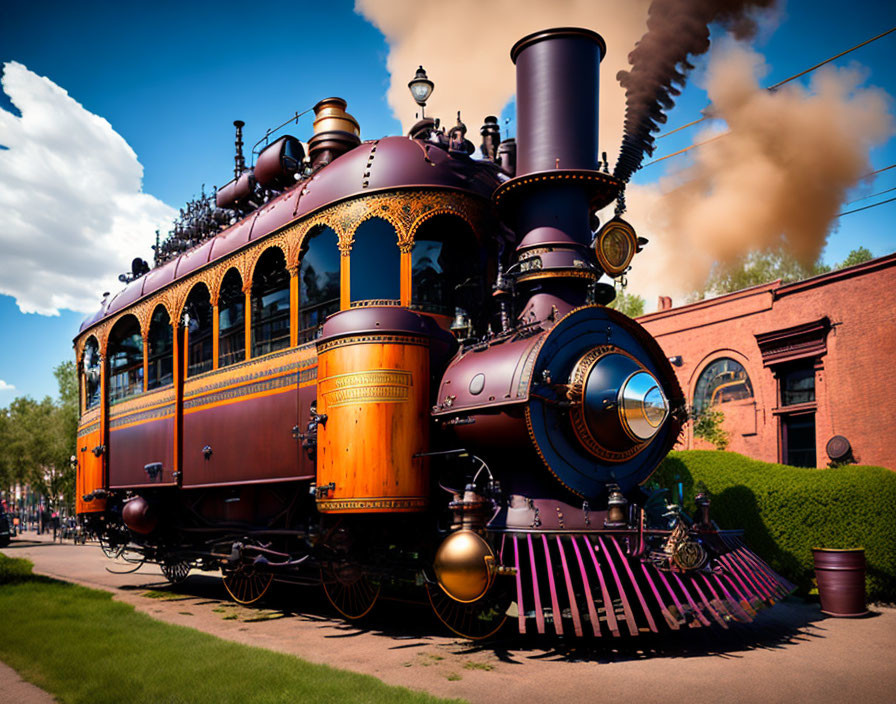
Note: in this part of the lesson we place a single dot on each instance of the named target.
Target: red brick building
(796, 368)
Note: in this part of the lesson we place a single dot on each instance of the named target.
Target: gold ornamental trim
(372, 339)
(577, 381)
(559, 274)
(374, 386)
(376, 504)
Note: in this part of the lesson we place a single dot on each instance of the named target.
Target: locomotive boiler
(390, 365)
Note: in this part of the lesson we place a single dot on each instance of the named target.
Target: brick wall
(854, 378)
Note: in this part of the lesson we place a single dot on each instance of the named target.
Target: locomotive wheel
(476, 621)
(350, 590)
(245, 585)
(175, 571)
(112, 550)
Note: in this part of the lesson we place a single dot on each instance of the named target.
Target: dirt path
(791, 654)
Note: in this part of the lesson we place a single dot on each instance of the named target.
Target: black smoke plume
(676, 29)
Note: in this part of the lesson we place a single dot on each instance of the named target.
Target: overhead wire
(786, 80)
(867, 207)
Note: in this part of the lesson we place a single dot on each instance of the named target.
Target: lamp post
(421, 88)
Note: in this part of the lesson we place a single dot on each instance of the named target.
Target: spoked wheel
(245, 585)
(350, 590)
(111, 547)
(175, 571)
(477, 621)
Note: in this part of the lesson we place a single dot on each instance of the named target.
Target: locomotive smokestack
(556, 98)
(239, 163)
(557, 183)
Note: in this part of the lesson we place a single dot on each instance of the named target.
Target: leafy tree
(708, 425)
(758, 268)
(856, 256)
(629, 304)
(37, 439)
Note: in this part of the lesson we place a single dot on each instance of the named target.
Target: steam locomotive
(390, 365)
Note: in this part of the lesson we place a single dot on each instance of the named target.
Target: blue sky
(171, 77)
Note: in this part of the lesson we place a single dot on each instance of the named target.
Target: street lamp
(421, 88)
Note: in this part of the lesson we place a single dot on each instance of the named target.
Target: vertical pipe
(247, 317)
(216, 330)
(293, 306)
(178, 373)
(146, 361)
(345, 300)
(406, 277)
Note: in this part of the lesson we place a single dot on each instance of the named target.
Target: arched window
(125, 359)
(270, 303)
(92, 369)
(198, 323)
(161, 350)
(375, 262)
(447, 268)
(318, 282)
(722, 380)
(231, 320)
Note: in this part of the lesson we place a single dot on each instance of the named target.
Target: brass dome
(465, 566)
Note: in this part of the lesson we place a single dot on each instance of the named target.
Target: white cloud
(6, 387)
(72, 210)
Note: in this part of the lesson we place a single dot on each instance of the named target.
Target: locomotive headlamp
(465, 566)
(615, 245)
(642, 405)
(421, 88)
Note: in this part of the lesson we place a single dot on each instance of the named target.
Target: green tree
(629, 304)
(37, 439)
(856, 256)
(708, 425)
(758, 268)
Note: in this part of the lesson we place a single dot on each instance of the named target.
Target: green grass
(81, 646)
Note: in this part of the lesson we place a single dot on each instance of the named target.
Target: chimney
(665, 303)
(335, 132)
(491, 136)
(557, 184)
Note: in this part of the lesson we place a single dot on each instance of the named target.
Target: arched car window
(231, 320)
(92, 370)
(375, 267)
(125, 359)
(161, 350)
(270, 303)
(197, 318)
(447, 268)
(318, 282)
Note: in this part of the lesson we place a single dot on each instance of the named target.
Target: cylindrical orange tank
(374, 387)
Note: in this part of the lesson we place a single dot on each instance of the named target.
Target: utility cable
(867, 207)
(879, 193)
(786, 80)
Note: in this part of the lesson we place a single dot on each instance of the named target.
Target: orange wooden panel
(375, 395)
(89, 473)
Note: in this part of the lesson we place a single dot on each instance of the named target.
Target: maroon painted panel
(191, 260)
(232, 239)
(130, 449)
(157, 278)
(250, 440)
(126, 296)
(274, 215)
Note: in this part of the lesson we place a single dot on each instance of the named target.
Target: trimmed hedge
(786, 511)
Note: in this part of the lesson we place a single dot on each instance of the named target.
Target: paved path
(791, 654)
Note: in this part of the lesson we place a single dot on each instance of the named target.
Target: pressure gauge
(615, 245)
